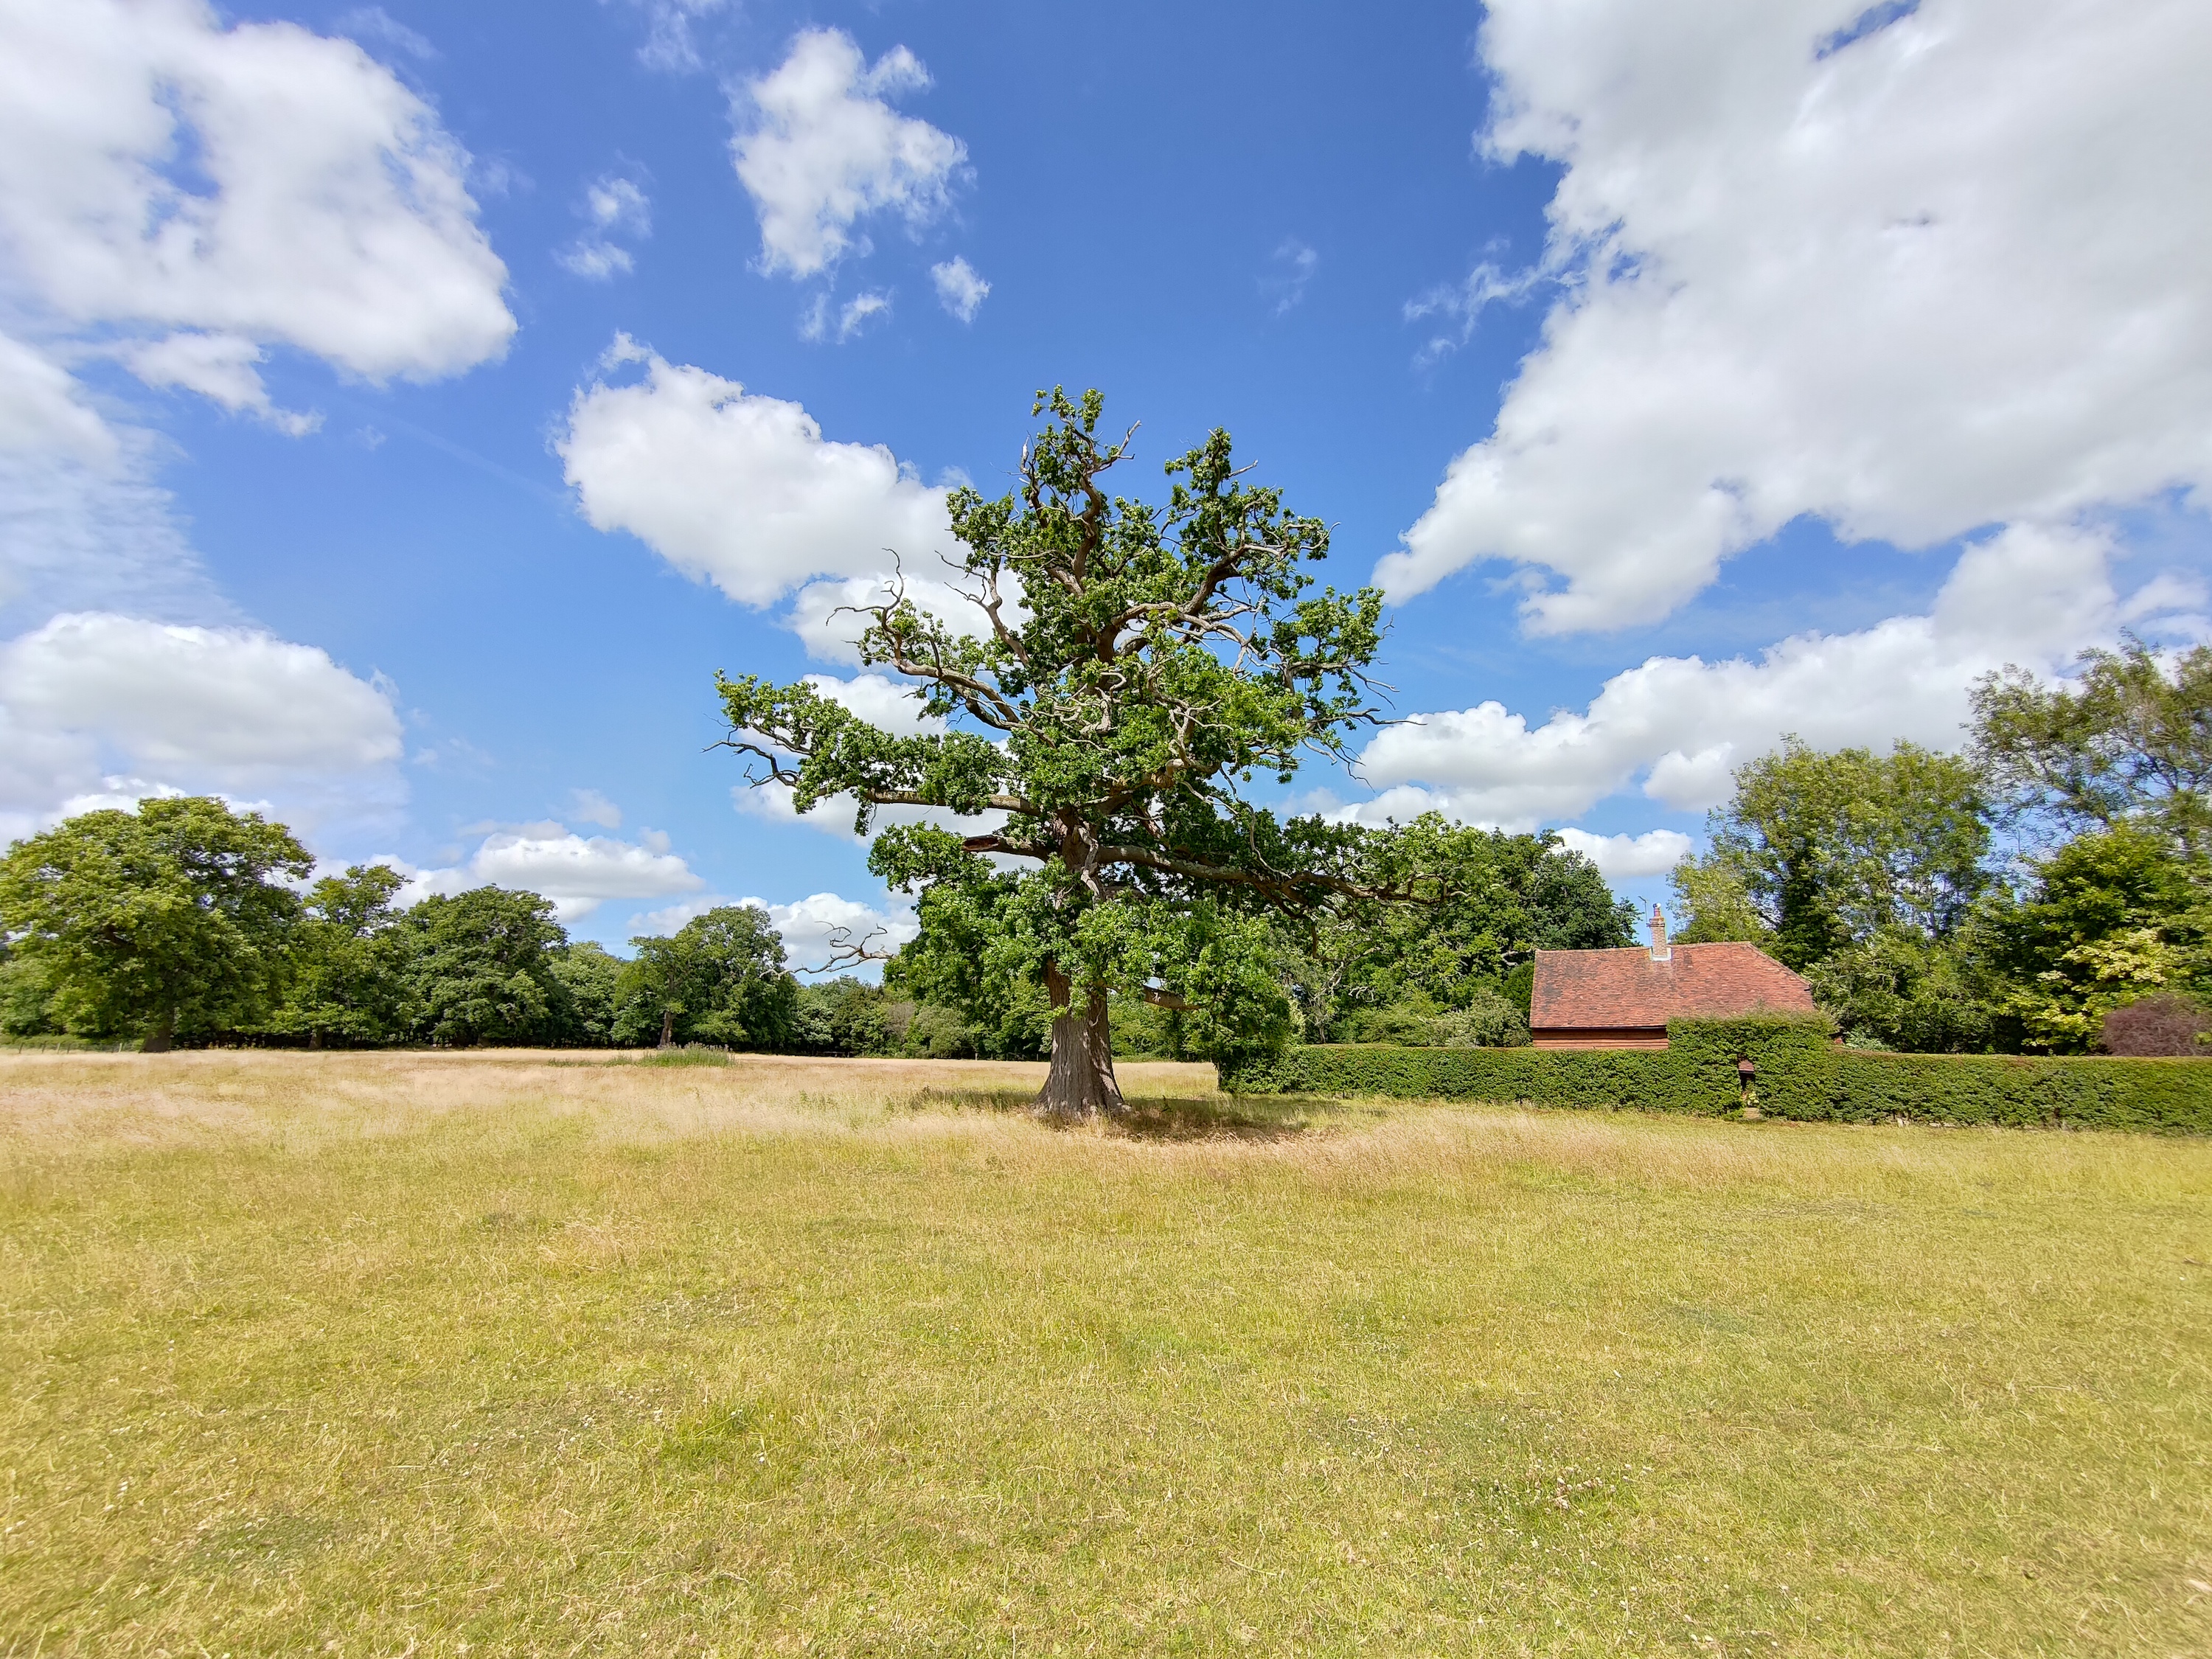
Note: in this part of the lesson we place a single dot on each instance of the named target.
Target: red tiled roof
(1613, 990)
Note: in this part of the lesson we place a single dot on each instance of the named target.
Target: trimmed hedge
(1800, 1075)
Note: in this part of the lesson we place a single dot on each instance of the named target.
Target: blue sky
(371, 443)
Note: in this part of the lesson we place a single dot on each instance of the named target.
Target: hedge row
(1800, 1075)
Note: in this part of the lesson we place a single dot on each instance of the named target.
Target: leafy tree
(591, 979)
(1827, 849)
(1136, 666)
(1713, 905)
(1902, 990)
(2129, 742)
(1495, 899)
(345, 978)
(2114, 917)
(720, 978)
(998, 1006)
(842, 1015)
(478, 967)
(171, 917)
(26, 995)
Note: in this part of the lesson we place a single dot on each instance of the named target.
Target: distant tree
(1494, 899)
(842, 1015)
(478, 968)
(26, 995)
(1136, 667)
(591, 976)
(171, 917)
(345, 980)
(1827, 849)
(1713, 905)
(720, 978)
(2112, 917)
(2129, 742)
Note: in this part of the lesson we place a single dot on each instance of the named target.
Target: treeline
(185, 920)
(2047, 891)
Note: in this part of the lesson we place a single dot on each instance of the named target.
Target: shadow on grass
(1219, 1117)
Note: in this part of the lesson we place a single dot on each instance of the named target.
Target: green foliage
(590, 978)
(2114, 916)
(1489, 1020)
(1829, 848)
(2128, 742)
(479, 968)
(936, 1032)
(170, 918)
(720, 978)
(26, 995)
(346, 980)
(1800, 1075)
(844, 1016)
(1712, 904)
(1902, 990)
(966, 962)
(1162, 659)
(1494, 900)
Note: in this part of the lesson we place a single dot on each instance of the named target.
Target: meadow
(529, 1353)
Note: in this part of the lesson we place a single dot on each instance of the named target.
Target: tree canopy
(169, 917)
(720, 978)
(1824, 850)
(2129, 742)
(1127, 669)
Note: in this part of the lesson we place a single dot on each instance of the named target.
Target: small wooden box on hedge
(1801, 1075)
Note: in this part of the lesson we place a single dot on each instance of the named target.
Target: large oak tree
(1127, 671)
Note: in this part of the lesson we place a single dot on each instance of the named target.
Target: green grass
(374, 1354)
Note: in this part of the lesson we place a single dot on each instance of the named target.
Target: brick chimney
(1660, 949)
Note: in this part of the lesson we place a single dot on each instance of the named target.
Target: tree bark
(1081, 1082)
(668, 1027)
(157, 1038)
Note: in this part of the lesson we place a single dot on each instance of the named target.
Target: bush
(1801, 1075)
(2166, 1024)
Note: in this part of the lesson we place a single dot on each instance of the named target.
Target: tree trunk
(157, 1038)
(668, 1028)
(1081, 1082)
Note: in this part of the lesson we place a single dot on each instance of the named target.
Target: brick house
(1624, 999)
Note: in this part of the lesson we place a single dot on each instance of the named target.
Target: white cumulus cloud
(960, 290)
(1913, 270)
(98, 702)
(1631, 857)
(579, 873)
(738, 488)
(1679, 725)
(669, 42)
(856, 314)
(326, 208)
(820, 147)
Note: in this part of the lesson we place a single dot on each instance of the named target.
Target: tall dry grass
(534, 1353)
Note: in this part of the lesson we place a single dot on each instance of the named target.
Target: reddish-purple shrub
(2167, 1023)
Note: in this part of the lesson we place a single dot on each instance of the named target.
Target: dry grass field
(535, 1354)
